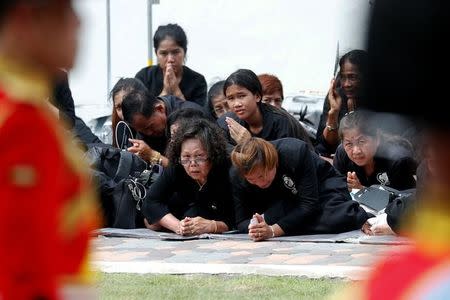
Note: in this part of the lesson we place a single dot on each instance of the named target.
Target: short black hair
(138, 102)
(185, 114)
(128, 85)
(215, 90)
(173, 31)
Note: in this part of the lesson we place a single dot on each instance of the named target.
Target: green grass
(132, 286)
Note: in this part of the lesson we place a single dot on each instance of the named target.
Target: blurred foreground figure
(409, 57)
(46, 206)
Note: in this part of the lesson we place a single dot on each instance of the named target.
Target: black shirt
(303, 181)
(277, 124)
(394, 167)
(176, 193)
(192, 85)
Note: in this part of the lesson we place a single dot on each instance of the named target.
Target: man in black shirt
(148, 114)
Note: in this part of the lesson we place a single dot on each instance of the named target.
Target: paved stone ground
(275, 258)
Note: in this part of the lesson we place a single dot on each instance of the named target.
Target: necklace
(200, 185)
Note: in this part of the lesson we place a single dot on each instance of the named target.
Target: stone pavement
(203, 256)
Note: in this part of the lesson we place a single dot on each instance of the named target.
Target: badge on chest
(290, 184)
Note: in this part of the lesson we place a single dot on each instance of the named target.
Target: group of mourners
(234, 159)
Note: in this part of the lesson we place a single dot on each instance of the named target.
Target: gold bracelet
(331, 128)
(156, 158)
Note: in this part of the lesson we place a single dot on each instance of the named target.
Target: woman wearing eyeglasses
(367, 156)
(193, 195)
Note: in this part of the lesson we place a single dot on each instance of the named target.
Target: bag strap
(126, 133)
(124, 167)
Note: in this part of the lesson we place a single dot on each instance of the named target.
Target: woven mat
(353, 237)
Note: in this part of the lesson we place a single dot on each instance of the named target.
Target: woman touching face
(195, 161)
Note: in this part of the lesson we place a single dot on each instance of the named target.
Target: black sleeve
(64, 102)
(322, 146)
(142, 75)
(240, 195)
(340, 160)
(323, 119)
(307, 185)
(199, 92)
(402, 175)
(222, 124)
(84, 133)
(283, 129)
(155, 206)
(397, 209)
(228, 211)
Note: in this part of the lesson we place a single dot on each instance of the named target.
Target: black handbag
(122, 180)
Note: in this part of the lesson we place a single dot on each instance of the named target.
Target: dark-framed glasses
(197, 160)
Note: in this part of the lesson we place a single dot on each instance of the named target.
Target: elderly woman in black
(282, 188)
(193, 194)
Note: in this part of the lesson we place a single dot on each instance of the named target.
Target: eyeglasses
(196, 160)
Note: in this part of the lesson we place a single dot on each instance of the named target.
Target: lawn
(132, 286)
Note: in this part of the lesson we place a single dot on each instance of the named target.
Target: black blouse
(176, 193)
(394, 167)
(276, 124)
(303, 181)
(192, 85)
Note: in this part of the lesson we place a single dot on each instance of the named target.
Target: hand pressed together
(261, 230)
(196, 226)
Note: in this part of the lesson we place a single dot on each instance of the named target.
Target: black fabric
(84, 134)
(177, 193)
(398, 209)
(410, 40)
(192, 85)
(276, 125)
(122, 179)
(172, 104)
(394, 167)
(62, 99)
(306, 196)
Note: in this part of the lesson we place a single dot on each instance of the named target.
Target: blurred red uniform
(47, 208)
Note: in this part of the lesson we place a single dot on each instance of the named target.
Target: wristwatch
(331, 128)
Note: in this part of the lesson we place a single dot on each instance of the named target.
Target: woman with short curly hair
(193, 195)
